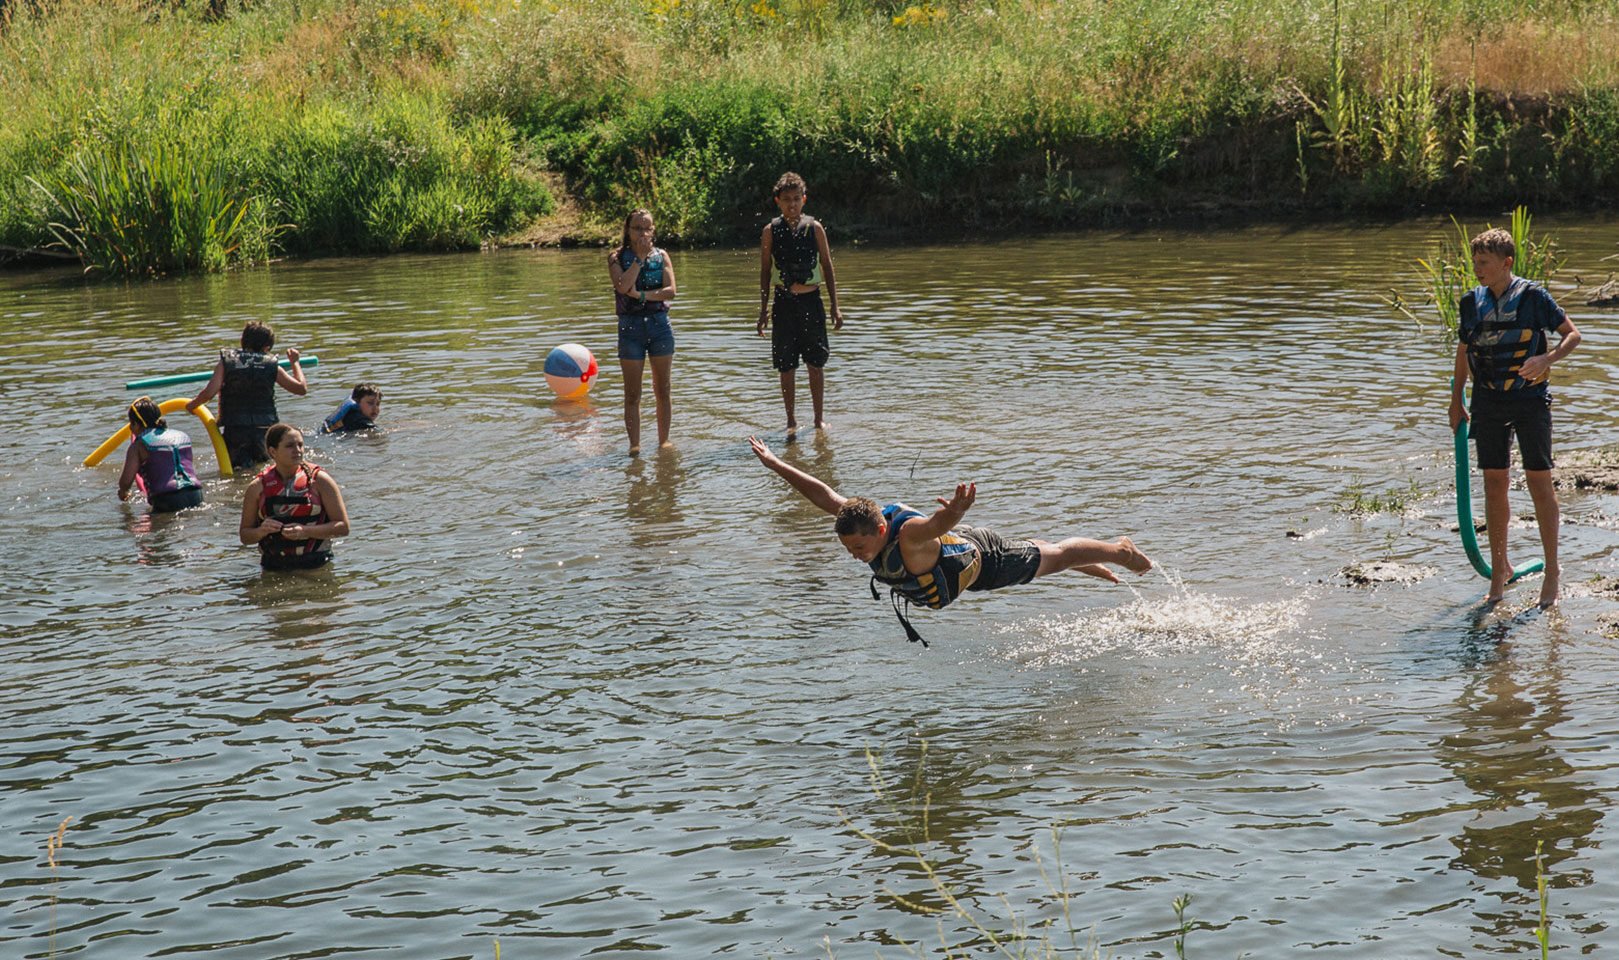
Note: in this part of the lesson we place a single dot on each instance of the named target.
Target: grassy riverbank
(358, 125)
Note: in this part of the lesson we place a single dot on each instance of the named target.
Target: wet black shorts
(1499, 414)
(1006, 563)
(799, 322)
(176, 500)
(295, 561)
(245, 445)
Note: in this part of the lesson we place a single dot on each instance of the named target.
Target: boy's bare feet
(1134, 559)
(1550, 589)
(1099, 572)
(792, 429)
(821, 424)
(635, 451)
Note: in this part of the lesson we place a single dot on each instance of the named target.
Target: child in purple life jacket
(159, 459)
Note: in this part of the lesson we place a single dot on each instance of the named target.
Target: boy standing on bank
(1503, 346)
(794, 261)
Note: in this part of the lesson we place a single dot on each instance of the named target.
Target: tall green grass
(147, 139)
(425, 124)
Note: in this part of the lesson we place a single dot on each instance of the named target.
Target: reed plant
(1449, 272)
(1011, 936)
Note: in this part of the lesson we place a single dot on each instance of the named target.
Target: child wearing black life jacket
(245, 381)
(794, 262)
(159, 459)
(358, 412)
(1504, 345)
(292, 510)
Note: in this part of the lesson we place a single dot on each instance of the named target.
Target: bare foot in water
(821, 424)
(635, 451)
(1550, 591)
(1134, 560)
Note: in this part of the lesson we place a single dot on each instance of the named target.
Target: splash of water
(1164, 625)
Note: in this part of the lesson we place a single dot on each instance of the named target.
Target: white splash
(1164, 625)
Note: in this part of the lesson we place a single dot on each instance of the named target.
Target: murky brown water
(587, 705)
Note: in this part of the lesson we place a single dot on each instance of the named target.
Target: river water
(586, 705)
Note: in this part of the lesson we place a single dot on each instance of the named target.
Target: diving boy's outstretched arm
(944, 519)
(813, 490)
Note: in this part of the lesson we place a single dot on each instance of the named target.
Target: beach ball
(569, 370)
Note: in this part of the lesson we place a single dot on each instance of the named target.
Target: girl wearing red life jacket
(292, 510)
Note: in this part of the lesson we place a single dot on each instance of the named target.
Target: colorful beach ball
(569, 370)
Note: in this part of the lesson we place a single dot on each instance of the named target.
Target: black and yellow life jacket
(957, 569)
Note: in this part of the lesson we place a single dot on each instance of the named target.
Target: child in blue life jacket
(245, 382)
(358, 412)
(1504, 346)
(159, 459)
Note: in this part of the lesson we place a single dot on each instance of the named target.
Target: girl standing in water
(292, 509)
(643, 285)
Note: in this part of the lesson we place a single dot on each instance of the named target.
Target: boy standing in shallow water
(1502, 345)
(794, 260)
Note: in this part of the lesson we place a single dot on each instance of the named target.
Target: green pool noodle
(150, 382)
(1464, 515)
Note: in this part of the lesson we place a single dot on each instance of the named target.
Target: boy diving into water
(930, 560)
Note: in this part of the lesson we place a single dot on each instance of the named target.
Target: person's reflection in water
(1526, 791)
(159, 537)
(300, 601)
(654, 497)
(815, 458)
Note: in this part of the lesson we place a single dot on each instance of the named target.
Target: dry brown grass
(1533, 58)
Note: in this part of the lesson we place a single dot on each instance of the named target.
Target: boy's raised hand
(292, 354)
(761, 451)
(966, 493)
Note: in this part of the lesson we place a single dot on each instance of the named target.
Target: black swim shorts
(1006, 563)
(1499, 414)
(245, 445)
(176, 500)
(799, 320)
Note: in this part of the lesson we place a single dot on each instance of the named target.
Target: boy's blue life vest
(957, 569)
(168, 462)
(1501, 334)
(348, 417)
(247, 395)
(297, 502)
(795, 252)
(650, 278)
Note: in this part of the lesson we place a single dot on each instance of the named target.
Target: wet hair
(1497, 241)
(858, 515)
(363, 390)
(276, 433)
(624, 242)
(789, 181)
(257, 337)
(144, 413)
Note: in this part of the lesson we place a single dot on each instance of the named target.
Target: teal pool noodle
(150, 382)
(1464, 515)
